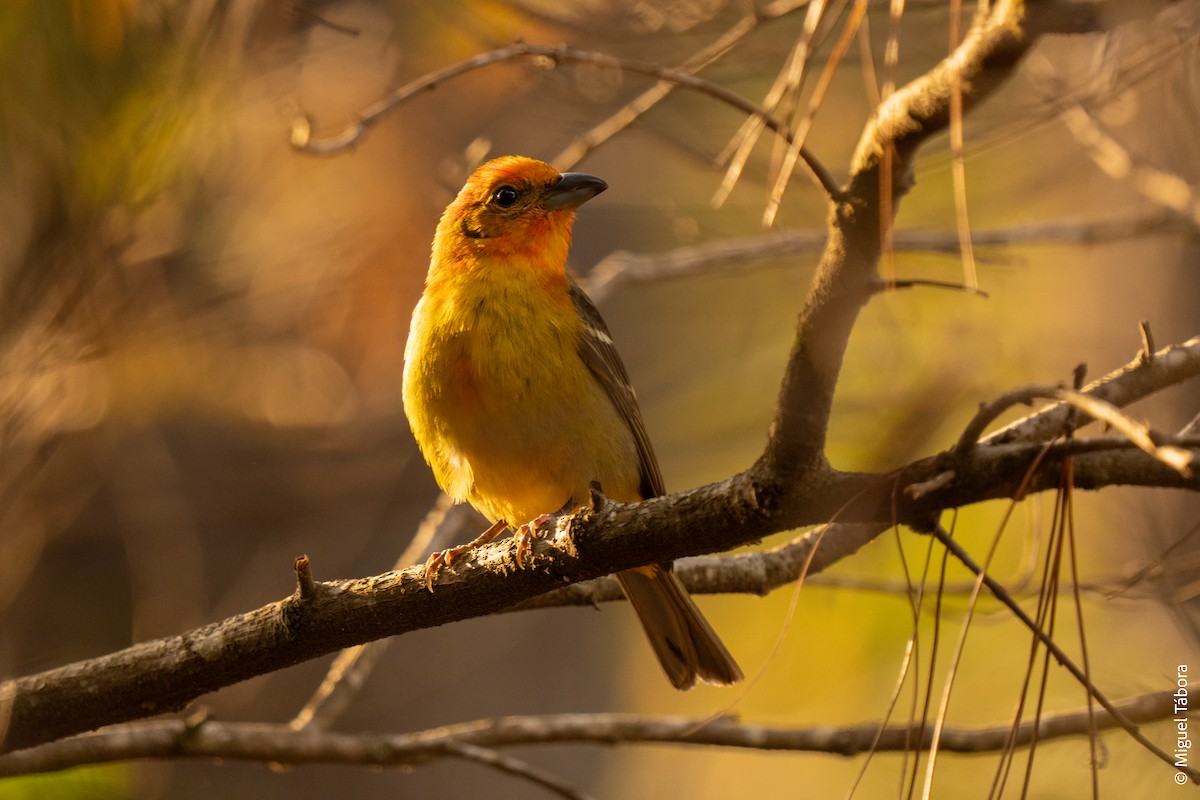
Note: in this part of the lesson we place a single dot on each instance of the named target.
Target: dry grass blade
(1094, 743)
(958, 166)
(927, 694)
(1048, 611)
(801, 130)
(1008, 754)
(981, 578)
(631, 111)
(891, 61)
(789, 78)
(999, 592)
(912, 655)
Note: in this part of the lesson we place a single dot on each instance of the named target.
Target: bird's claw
(435, 562)
(526, 534)
(433, 566)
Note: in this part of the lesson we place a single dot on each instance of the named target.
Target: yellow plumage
(515, 393)
(494, 386)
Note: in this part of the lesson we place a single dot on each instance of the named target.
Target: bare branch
(166, 674)
(303, 140)
(747, 252)
(848, 272)
(272, 743)
(513, 766)
(760, 572)
(1139, 378)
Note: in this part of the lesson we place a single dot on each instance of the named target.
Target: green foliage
(87, 783)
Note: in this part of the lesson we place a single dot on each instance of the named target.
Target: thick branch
(166, 674)
(847, 275)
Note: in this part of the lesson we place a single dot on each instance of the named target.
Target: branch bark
(273, 743)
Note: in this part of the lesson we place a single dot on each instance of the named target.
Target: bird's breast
(512, 419)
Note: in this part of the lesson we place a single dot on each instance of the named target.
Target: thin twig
(636, 108)
(303, 140)
(968, 440)
(1137, 379)
(1177, 458)
(514, 766)
(742, 253)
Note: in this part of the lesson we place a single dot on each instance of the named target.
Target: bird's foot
(527, 533)
(441, 558)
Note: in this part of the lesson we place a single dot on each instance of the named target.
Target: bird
(518, 399)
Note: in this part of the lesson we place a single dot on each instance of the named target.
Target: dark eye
(505, 196)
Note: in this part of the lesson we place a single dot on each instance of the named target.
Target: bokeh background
(201, 344)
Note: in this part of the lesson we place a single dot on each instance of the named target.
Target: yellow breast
(505, 411)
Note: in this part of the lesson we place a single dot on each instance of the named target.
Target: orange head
(513, 207)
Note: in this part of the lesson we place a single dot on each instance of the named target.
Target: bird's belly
(531, 441)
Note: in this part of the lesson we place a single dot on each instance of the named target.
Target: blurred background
(202, 332)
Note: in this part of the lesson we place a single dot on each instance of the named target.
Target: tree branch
(303, 140)
(726, 255)
(274, 743)
(847, 275)
(166, 674)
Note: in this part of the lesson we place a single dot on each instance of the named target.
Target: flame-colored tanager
(517, 397)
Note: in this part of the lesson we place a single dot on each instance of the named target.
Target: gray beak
(571, 190)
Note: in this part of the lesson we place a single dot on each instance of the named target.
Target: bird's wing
(597, 350)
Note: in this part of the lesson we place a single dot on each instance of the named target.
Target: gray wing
(597, 351)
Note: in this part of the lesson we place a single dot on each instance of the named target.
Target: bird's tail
(682, 639)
